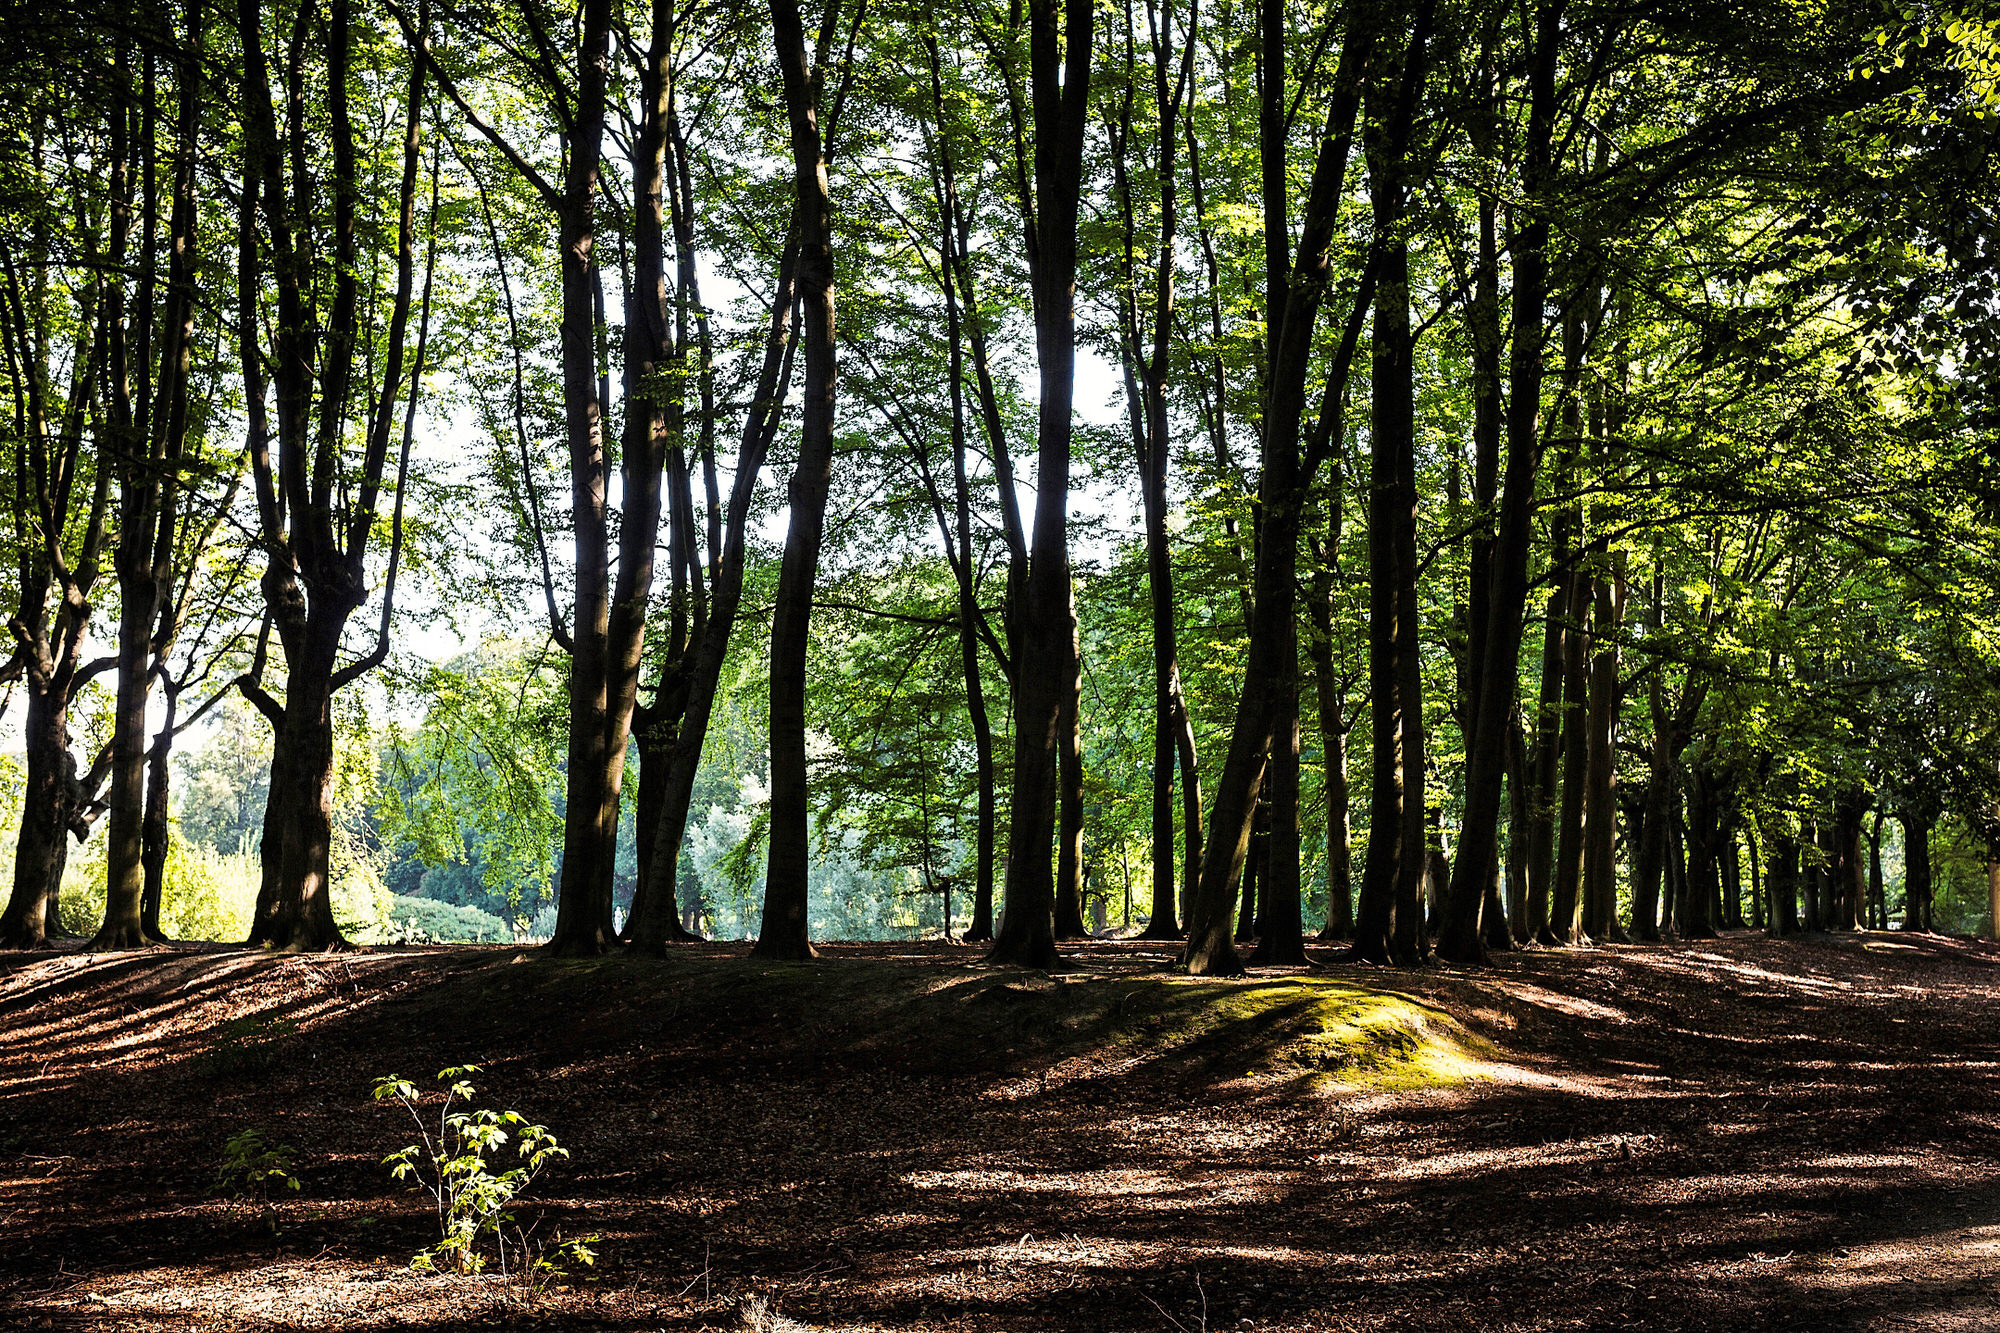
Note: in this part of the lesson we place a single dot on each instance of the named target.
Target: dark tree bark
(1917, 891)
(1281, 925)
(656, 921)
(1499, 621)
(1600, 886)
(153, 439)
(1147, 366)
(1848, 872)
(61, 488)
(607, 624)
(1069, 778)
(1295, 285)
(1566, 901)
(1704, 845)
(971, 620)
(1520, 834)
(1333, 740)
(1878, 908)
(316, 510)
(783, 932)
(663, 196)
(1059, 40)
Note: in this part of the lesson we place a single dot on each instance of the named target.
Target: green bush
(426, 921)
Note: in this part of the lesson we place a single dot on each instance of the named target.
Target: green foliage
(476, 782)
(256, 1173)
(423, 921)
(455, 1165)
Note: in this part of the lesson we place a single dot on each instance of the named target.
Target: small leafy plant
(256, 1173)
(458, 1166)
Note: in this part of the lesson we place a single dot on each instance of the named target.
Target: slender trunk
(1878, 913)
(590, 823)
(1059, 42)
(1545, 758)
(1849, 873)
(1732, 879)
(154, 831)
(1520, 832)
(1069, 775)
(652, 931)
(1281, 924)
(1501, 620)
(1566, 902)
(784, 932)
(1781, 879)
(1600, 889)
(1333, 741)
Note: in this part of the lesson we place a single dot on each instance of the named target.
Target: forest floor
(1737, 1134)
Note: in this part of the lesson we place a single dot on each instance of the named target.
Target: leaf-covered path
(1737, 1134)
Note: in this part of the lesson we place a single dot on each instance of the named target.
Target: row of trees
(1597, 403)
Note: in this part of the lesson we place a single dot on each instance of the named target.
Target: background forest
(1440, 474)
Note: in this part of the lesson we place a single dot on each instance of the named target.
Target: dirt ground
(1741, 1134)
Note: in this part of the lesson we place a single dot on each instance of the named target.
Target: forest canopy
(1438, 476)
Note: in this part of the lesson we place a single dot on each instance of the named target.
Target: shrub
(455, 1167)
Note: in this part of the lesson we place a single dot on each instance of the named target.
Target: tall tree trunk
(1520, 833)
(1704, 835)
(1878, 908)
(1059, 39)
(1500, 622)
(1600, 889)
(1295, 283)
(1917, 891)
(1069, 779)
(1333, 741)
(1848, 872)
(1566, 901)
(784, 932)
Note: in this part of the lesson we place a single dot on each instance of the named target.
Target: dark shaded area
(1734, 1134)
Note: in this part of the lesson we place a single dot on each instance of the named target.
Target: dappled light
(903, 1139)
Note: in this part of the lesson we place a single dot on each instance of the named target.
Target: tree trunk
(1069, 780)
(1849, 872)
(594, 768)
(1520, 834)
(784, 933)
(1600, 869)
(1498, 623)
(1333, 740)
(1545, 758)
(1566, 901)
(1878, 908)
(1059, 55)
(49, 805)
(1781, 880)
(1281, 925)
(1704, 836)
(1732, 879)
(1917, 891)
(294, 912)
(154, 831)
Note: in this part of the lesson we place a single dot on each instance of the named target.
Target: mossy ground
(864, 1013)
